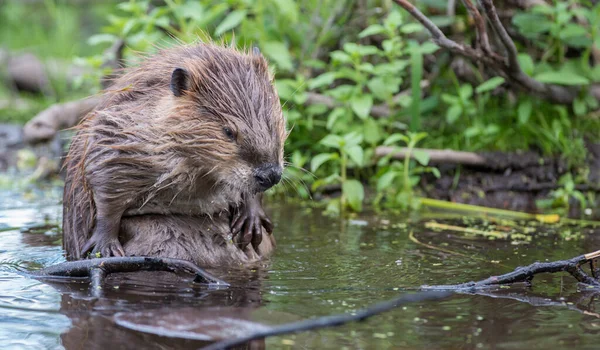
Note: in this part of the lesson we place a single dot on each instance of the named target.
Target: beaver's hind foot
(103, 244)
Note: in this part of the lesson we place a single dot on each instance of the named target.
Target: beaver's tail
(79, 209)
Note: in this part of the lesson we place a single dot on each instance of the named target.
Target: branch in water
(526, 274)
(332, 321)
(97, 269)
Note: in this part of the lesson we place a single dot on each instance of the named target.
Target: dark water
(322, 266)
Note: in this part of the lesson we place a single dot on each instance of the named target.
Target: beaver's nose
(267, 175)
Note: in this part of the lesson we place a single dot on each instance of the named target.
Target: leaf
(421, 157)
(190, 9)
(562, 78)
(232, 20)
(572, 30)
(526, 63)
(579, 107)
(351, 48)
(340, 56)
(411, 28)
(453, 113)
(356, 153)
(531, 25)
(321, 159)
(465, 92)
(289, 8)
(450, 99)
(471, 131)
(394, 138)
(333, 117)
(491, 129)
(413, 180)
(279, 53)
(372, 132)
(355, 194)
(333, 141)
(371, 30)
(386, 180)
(489, 85)
(366, 50)
(101, 39)
(353, 138)
(595, 73)
(324, 79)
(428, 47)
(379, 88)
(361, 105)
(393, 20)
(524, 111)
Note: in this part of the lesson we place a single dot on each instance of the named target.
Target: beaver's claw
(247, 225)
(103, 244)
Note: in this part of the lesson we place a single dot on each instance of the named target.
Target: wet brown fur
(162, 164)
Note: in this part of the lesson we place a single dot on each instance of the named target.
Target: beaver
(174, 160)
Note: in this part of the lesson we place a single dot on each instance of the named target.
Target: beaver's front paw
(247, 225)
(104, 245)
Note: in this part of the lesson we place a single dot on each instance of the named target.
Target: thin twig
(513, 62)
(413, 239)
(482, 35)
(508, 67)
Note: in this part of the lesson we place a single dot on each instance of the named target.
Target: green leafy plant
(406, 174)
(560, 198)
(348, 152)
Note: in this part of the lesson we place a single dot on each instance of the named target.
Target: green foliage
(561, 198)
(380, 66)
(405, 175)
(351, 81)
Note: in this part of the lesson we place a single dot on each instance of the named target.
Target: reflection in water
(321, 267)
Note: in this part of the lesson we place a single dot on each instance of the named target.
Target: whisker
(293, 94)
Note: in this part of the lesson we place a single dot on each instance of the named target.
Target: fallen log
(44, 126)
(445, 156)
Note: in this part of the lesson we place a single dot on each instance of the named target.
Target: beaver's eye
(229, 133)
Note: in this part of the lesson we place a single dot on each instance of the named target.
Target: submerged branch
(332, 321)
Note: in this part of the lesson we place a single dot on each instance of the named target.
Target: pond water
(322, 266)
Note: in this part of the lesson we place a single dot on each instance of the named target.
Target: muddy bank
(513, 181)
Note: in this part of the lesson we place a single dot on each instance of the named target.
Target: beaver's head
(227, 118)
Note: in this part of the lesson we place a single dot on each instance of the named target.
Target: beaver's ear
(259, 61)
(179, 81)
